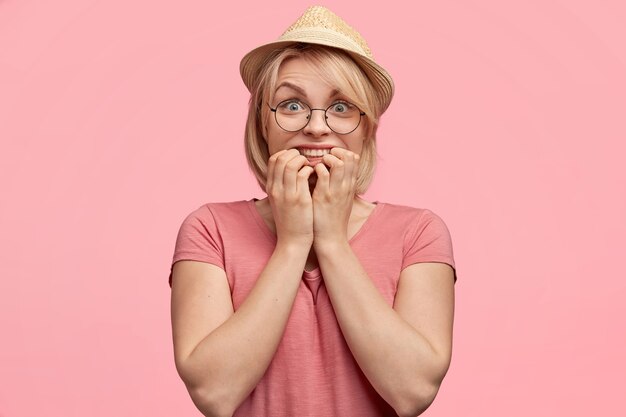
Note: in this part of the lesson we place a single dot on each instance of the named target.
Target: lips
(314, 153)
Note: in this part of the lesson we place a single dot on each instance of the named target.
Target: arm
(404, 351)
(213, 344)
(222, 354)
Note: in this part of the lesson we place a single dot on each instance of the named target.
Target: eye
(341, 107)
(293, 106)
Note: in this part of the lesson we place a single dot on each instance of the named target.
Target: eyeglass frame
(361, 114)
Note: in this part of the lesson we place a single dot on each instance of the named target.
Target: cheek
(276, 140)
(356, 144)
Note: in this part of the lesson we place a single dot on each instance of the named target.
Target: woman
(313, 301)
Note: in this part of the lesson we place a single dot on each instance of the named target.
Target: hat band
(325, 37)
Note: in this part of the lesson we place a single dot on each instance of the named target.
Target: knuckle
(290, 153)
(274, 196)
(274, 192)
(275, 156)
(286, 157)
(291, 166)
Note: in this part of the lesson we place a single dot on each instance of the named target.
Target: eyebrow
(301, 91)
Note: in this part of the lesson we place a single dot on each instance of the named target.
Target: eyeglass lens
(341, 117)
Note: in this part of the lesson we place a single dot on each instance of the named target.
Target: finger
(271, 168)
(337, 170)
(351, 159)
(290, 175)
(323, 178)
(281, 163)
(332, 161)
(356, 168)
(302, 186)
(340, 152)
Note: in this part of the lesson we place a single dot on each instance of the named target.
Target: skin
(327, 206)
(404, 350)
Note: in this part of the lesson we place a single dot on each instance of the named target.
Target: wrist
(294, 247)
(330, 245)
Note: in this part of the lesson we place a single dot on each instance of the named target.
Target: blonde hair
(337, 68)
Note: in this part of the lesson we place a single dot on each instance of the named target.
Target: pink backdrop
(118, 118)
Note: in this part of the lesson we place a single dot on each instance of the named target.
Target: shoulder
(408, 214)
(426, 236)
(210, 218)
(417, 225)
(215, 210)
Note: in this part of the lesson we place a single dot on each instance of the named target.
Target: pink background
(118, 118)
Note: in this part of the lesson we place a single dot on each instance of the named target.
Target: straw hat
(318, 25)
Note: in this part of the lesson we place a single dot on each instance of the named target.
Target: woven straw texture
(318, 17)
(320, 26)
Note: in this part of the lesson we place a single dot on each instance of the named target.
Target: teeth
(313, 152)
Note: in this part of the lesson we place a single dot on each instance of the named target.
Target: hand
(334, 194)
(288, 192)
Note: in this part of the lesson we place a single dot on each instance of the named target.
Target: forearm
(228, 363)
(398, 361)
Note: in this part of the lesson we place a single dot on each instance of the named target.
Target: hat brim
(256, 59)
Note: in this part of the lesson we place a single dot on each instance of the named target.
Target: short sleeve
(428, 240)
(198, 240)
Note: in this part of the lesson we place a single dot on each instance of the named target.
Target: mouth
(313, 153)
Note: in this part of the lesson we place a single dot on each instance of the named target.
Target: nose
(317, 123)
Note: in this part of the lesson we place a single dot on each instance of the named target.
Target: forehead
(300, 74)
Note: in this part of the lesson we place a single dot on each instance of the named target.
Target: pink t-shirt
(313, 372)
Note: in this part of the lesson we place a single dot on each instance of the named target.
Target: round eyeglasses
(341, 117)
